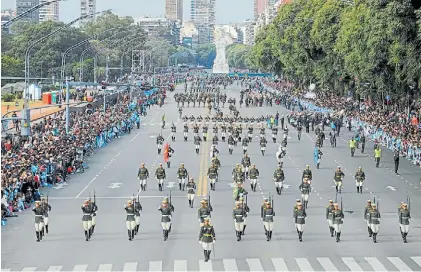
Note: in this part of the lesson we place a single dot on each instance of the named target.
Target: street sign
(391, 188)
(170, 184)
(115, 185)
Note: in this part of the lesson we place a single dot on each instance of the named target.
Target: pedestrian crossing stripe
(255, 264)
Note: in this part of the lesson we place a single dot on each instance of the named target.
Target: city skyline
(141, 8)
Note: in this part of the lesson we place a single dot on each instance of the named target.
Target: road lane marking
(399, 264)
(80, 267)
(279, 264)
(375, 264)
(205, 266)
(352, 264)
(327, 264)
(29, 269)
(254, 264)
(230, 265)
(54, 268)
(199, 182)
(130, 267)
(86, 187)
(155, 266)
(105, 267)
(180, 265)
(417, 260)
(304, 264)
(205, 169)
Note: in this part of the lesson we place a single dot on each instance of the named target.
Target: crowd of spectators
(385, 124)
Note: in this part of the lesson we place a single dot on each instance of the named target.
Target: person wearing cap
(374, 219)
(238, 215)
(237, 173)
(47, 208)
(186, 132)
(217, 163)
(130, 219)
(247, 210)
(215, 140)
(279, 177)
(204, 211)
(268, 214)
(368, 208)
(300, 220)
(231, 144)
(196, 141)
(191, 191)
(305, 192)
(87, 219)
(205, 129)
(329, 217)
(337, 178)
(338, 219)
(404, 219)
(160, 176)
(166, 215)
(137, 209)
(159, 142)
(143, 175)
(212, 175)
(245, 162)
(262, 143)
(207, 238)
(274, 134)
(250, 133)
(173, 131)
(262, 209)
(253, 175)
(182, 174)
(359, 179)
(239, 191)
(39, 223)
(307, 173)
(294, 212)
(245, 143)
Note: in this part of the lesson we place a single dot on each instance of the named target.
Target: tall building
(6, 16)
(87, 7)
(24, 5)
(202, 14)
(160, 27)
(261, 6)
(174, 10)
(49, 12)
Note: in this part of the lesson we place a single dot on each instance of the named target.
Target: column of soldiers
(41, 212)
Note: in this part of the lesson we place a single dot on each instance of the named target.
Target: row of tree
(238, 56)
(371, 46)
(108, 35)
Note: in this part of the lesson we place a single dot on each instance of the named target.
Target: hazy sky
(226, 10)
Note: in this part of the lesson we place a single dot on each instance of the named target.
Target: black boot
(337, 237)
(266, 232)
(209, 253)
(375, 237)
(160, 187)
(205, 252)
(159, 151)
(165, 235)
(370, 233)
(133, 232)
(404, 237)
(169, 230)
(361, 189)
(358, 189)
(179, 186)
(42, 232)
(192, 203)
(37, 234)
(137, 229)
(270, 235)
(189, 203)
(90, 233)
(238, 235)
(46, 229)
(86, 235)
(93, 229)
(129, 232)
(331, 231)
(300, 236)
(298, 232)
(267, 236)
(244, 229)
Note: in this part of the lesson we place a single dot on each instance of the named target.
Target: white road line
(80, 268)
(327, 264)
(130, 267)
(304, 264)
(205, 266)
(180, 265)
(399, 264)
(54, 268)
(352, 264)
(417, 260)
(279, 264)
(154, 117)
(105, 267)
(155, 266)
(254, 264)
(375, 264)
(86, 187)
(29, 269)
(6, 270)
(230, 265)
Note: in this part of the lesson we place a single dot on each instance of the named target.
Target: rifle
(94, 197)
(89, 196)
(138, 200)
(270, 198)
(342, 205)
(408, 201)
(271, 201)
(134, 203)
(209, 199)
(170, 200)
(47, 199)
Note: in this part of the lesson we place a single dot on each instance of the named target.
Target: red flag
(166, 152)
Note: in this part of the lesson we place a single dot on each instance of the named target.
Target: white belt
(239, 215)
(130, 214)
(39, 215)
(269, 215)
(87, 214)
(165, 215)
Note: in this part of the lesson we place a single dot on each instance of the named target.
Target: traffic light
(89, 108)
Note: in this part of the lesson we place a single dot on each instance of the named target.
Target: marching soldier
(159, 143)
(216, 162)
(186, 132)
(337, 178)
(197, 141)
(367, 211)
(268, 214)
(245, 162)
(215, 140)
(238, 215)
(212, 175)
(231, 143)
(205, 132)
(307, 174)
(250, 133)
(274, 134)
(47, 208)
(245, 144)
(374, 219)
(239, 191)
(143, 175)
(39, 224)
(359, 179)
(87, 219)
(191, 187)
(279, 177)
(207, 238)
(404, 218)
(204, 211)
(130, 219)
(329, 217)
(223, 132)
(94, 208)
(300, 220)
(253, 175)
(160, 176)
(294, 211)
(173, 131)
(237, 174)
(137, 209)
(338, 219)
(195, 130)
(247, 210)
(263, 143)
(182, 175)
(166, 210)
(305, 192)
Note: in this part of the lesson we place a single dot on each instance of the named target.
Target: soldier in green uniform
(245, 162)
(166, 217)
(137, 209)
(247, 210)
(216, 162)
(294, 211)
(367, 211)
(231, 143)
(300, 220)
(253, 175)
(329, 217)
(279, 177)
(47, 209)
(39, 224)
(212, 175)
(263, 142)
(238, 214)
(305, 189)
(204, 211)
(337, 178)
(359, 179)
(338, 219)
(207, 238)
(404, 219)
(143, 175)
(268, 214)
(239, 192)
(130, 219)
(307, 173)
(160, 176)
(191, 187)
(262, 209)
(374, 219)
(182, 176)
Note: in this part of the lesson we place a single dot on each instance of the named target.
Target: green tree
(11, 66)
